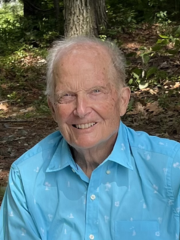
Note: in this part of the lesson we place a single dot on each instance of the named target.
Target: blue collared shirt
(133, 194)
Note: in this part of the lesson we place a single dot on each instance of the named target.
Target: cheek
(62, 113)
(108, 109)
(114, 105)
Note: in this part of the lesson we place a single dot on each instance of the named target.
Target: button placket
(92, 205)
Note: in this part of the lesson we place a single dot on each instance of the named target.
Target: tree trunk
(82, 17)
(101, 16)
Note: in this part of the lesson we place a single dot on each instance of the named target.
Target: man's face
(87, 106)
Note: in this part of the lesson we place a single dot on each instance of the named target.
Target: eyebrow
(60, 92)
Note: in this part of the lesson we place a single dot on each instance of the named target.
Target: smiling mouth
(84, 126)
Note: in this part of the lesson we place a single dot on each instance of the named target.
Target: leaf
(145, 58)
(177, 85)
(172, 51)
(157, 47)
(4, 107)
(137, 70)
(135, 75)
(177, 43)
(154, 107)
(163, 36)
(159, 41)
(177, 32)
(130, 81)
(162, 42)
(137, 109)
(143, 74)
(142, 86)
(151, 71)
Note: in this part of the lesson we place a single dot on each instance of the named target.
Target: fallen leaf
(4, 86)
(4, 107)
(137, 109)
(177, 85)
(154, 107)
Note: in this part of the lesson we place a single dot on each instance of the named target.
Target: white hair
(60, 48)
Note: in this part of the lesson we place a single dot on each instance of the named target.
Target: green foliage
(17, 32)
(147, 74)
(169, 43)
(9, 11)
(20, 32)
(28, 38)
(149, 10)
(162, 17)
(120, 19)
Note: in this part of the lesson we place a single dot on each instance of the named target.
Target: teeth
(84, 126)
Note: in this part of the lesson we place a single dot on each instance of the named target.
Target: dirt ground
(17, 136)
(154, 110)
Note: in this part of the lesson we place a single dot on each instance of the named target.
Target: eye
(96, 91)
(67, 95)
(66, 98)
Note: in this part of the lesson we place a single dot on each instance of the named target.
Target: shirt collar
(120, 154)
(61, 158)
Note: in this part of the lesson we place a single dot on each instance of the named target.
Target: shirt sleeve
(175, 173)
(15, 219)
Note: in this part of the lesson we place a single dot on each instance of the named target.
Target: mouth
(84, 126)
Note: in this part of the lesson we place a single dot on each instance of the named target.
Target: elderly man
(95, 178)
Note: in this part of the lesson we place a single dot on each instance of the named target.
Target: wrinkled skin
(87, 104)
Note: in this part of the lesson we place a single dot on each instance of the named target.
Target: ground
(25, 119)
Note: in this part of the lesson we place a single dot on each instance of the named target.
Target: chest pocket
(137, 230)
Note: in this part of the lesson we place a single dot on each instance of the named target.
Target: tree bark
(82, 17)
(100, 11)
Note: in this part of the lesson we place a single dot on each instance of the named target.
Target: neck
(91, 158)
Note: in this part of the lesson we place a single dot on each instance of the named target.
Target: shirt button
(93, 197)
(73, 170)
(91, 236)
(108, 171)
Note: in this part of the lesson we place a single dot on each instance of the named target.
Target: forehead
(83, 55)
(83, 67)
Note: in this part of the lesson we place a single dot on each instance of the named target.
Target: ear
(125, 93)
(51, 107)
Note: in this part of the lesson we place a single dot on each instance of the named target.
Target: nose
(82, 107)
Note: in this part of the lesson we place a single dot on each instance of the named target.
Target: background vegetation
(148, 32)
(29, 35)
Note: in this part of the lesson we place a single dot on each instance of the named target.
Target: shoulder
(141, 141)
(158, 158)
(40, 152)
